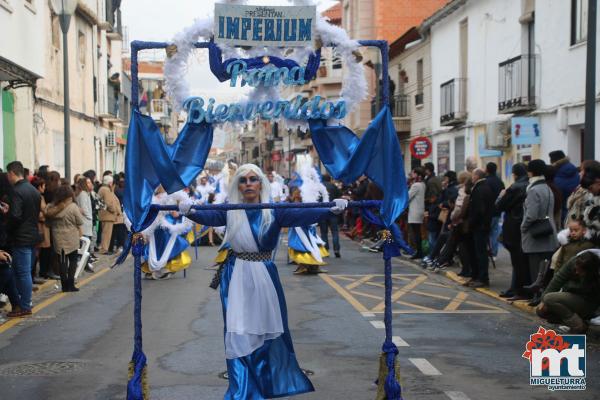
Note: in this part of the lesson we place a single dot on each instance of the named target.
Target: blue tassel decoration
(393, 390)
(137, 386)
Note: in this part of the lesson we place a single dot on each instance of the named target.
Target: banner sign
(241, 25)
(420, 147)
(525, 130)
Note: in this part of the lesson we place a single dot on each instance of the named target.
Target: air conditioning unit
(111, 139)
(497, 135)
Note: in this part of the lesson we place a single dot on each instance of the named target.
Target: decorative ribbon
(393, 390)
(373, 219)
(219, 67)
(137, 386)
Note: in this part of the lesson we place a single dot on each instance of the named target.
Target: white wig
(235, 197)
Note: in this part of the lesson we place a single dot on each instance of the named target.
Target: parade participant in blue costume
(165, 252)
(203, 193)
(261, 362)
(305, 247)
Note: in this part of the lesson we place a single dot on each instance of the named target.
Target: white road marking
(368, 315)
(398, 341)
(378, 324)
(457, 396)
(424, 366)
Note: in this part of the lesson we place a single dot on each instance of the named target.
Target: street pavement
(454, 343)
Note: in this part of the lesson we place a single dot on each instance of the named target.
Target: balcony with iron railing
(517, 84)
(400, 113)
(159, 109)
(453, 102)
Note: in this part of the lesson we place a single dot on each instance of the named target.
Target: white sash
(253, 313)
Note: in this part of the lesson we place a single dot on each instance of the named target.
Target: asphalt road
(454, 343)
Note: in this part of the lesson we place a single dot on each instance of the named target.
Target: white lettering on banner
(242, 25)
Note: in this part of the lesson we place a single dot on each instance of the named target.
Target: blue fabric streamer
(135, 386)
(393, 390)
(377, 155)
(219, 67)
(150, 162)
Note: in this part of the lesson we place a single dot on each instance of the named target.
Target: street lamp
(65, 9)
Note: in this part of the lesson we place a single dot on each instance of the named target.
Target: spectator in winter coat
(416, 209)
(573, 295)
(566, 177)
(110, 214)
(23, 229)
(65, 224)
(496, 185)
(8, 283)
(539, 205)
(479, 220)
(511, 202)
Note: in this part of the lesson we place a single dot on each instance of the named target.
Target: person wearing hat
(566, 178)
(538, 206)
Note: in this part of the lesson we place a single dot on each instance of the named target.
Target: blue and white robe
(258, 346)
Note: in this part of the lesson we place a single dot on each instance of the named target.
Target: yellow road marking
(432, 295)
(51, 300)
(359, 282)
(381, 285)
(457, 301)
(344, 278)
(349, 298)
(407, 288)
(498, 311)
(370, 296)
(417, 306)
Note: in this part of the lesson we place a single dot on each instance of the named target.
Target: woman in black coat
(511, 202)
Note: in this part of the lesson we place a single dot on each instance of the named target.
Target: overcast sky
(160, 20)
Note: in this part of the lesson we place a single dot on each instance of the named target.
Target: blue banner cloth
(376, 155)
(150, 162)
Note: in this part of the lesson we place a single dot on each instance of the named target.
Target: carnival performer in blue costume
(166, 250)
(305, 247)
(261, 362)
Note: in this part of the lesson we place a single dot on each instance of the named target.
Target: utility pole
(589, 146)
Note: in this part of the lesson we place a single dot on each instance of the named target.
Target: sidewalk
(47, 292)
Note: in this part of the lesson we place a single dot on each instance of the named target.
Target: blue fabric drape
(150, 162)
(377, 155)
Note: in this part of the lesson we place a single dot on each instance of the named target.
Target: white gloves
(340, 206)
(185, 206)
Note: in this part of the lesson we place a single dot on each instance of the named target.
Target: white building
(494, 61)
(410, 70)
(21, 65)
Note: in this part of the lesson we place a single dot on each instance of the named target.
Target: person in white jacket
(416, 209)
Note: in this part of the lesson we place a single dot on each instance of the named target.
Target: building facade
(508, 80)
(22, 50)
(382, 20)
(34, 128)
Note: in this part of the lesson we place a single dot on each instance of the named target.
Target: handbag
(542, 227)
(443, 215)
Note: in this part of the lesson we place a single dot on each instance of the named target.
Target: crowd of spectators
(42, 220)
(548, 220)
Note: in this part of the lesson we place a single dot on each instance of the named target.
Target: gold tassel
(171, 50)
(383, 372)
(145, 385)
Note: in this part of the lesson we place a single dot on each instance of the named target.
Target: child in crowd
(573, 240)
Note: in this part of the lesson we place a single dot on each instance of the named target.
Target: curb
(520, 304)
